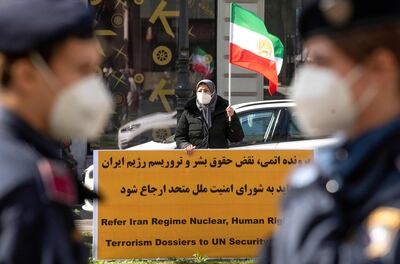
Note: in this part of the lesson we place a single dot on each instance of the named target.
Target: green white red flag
(253, 47)
(202, 62)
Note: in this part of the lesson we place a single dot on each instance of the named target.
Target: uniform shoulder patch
(58, 182)
(383, 224)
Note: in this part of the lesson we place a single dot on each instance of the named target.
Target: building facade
(139, 44)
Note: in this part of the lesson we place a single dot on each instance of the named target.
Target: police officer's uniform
(36, 189)
(345, 209)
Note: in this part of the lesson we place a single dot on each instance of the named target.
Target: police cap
(26, 25)
(332, 16)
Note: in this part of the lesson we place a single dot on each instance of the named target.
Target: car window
(293, 132)
(257, 126)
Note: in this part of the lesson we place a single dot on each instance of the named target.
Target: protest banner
(166, 204)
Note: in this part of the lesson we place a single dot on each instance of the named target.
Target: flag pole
(230, 65)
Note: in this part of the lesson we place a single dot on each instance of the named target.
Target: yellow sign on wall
(166, 204)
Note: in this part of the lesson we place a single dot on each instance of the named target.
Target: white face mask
(82, 110)
(203, 98)
(324, 103)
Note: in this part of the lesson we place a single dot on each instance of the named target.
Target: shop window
(139, 43)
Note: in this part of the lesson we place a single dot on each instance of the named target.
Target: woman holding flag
(208, 121)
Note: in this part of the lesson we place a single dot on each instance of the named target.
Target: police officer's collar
(358, 167)
(358, 149)
(23, 131)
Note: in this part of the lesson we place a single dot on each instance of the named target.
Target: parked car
(266, 125)
(154, 127)
(88, 181)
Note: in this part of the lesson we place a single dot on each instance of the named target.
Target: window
(281, 20)
(139, 44)
(293, 132)
(257, 126)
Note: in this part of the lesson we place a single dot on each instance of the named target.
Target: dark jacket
(36, 194)
(334, 209)
(192, 128)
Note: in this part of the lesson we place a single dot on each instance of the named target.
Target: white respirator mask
(324, 102)
(79, 111)
(203, 98)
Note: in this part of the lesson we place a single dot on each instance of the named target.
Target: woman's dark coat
(192, 128)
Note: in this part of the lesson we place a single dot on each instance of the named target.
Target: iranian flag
(202, 62)
(252, 47)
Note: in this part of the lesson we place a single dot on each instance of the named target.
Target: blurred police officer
(48, 92)
(346, 207)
